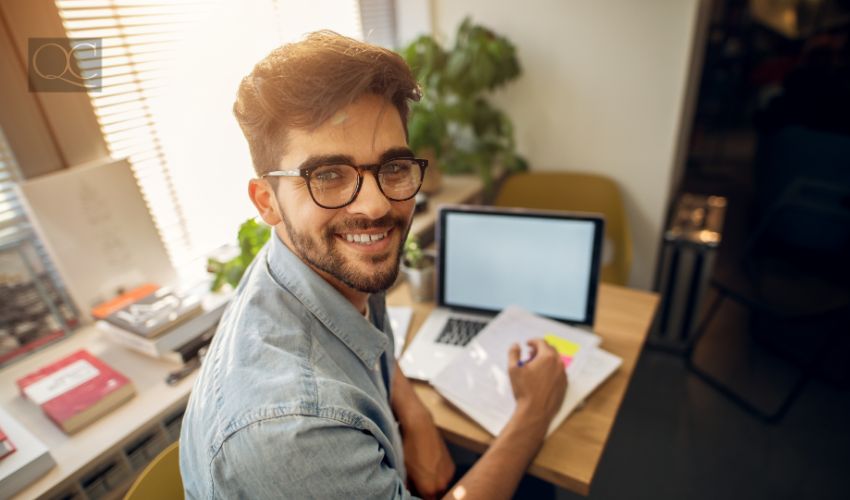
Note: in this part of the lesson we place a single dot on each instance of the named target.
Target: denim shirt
(292, 400)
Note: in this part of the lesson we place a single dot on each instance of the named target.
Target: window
(170, 71)
(377, 18)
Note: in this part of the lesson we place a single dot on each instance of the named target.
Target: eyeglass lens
(334, 185)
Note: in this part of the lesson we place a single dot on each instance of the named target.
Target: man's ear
(262, 196)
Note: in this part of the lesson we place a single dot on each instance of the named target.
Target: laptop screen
(546, 262)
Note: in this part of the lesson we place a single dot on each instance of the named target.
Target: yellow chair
(579, 193)
(161, 478)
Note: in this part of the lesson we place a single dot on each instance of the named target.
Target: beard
(331, 260)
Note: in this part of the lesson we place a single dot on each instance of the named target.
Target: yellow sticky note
(563, 346)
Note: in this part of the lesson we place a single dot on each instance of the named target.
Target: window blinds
(378, 20)
(136, 37)
(169, 76)
(12, 221)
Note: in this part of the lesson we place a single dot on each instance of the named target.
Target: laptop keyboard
(459, 332)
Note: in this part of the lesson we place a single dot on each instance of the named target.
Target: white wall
(602, 91)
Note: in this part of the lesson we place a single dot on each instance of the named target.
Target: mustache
(364, 223)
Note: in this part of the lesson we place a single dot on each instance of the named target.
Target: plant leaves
(252, 235)
(454, 117)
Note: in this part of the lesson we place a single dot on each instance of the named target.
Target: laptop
(489, 258)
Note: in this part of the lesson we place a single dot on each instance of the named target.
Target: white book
(30, 460)
(477, 381)
(213, 304)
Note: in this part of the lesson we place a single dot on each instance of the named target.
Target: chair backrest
(581, 193)
(161, 478)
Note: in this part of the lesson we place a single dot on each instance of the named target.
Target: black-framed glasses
(337, 185)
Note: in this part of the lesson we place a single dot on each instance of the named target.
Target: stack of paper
(477, 382)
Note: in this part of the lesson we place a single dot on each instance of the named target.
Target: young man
(300, 396)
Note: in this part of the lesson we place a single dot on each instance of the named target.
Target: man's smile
(368, 241)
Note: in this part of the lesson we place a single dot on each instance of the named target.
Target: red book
(76, 390)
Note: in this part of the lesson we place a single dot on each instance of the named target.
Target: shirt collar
(325, 303)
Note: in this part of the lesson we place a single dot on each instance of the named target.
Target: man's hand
(539, 384)
(429, 466)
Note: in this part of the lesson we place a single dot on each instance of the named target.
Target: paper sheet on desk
(400, 322)
(477, 382)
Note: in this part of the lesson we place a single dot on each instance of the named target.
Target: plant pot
(421, 281)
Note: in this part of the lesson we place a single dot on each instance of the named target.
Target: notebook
(477, 382)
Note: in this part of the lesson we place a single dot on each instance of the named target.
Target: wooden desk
(571, 454)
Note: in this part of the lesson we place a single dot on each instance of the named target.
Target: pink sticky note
(567, 360)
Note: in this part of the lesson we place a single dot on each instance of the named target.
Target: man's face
(358, 245)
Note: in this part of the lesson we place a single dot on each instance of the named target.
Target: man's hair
(303, 84)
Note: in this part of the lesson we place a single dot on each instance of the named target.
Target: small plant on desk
(418, 268)
(252, 236)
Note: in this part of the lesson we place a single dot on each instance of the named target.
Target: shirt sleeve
(303, 457)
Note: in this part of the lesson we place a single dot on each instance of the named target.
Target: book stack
(76, 390)
(160, 322)
(148, 310)
(29, 460)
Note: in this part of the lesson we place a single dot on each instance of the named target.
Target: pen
(183, 372)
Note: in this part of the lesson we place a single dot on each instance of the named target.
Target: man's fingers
(536, 346)
(539, 345)
(513, 355)
(532, 347)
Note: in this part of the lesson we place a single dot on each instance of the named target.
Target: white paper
(599, 367)
(399, 321)
(477, 382)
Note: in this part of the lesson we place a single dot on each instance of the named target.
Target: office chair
(161, 478)
(793, 280)
(580, 193)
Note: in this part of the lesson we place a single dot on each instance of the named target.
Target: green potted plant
(454, 122)
(418, 267)
(252, 236)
